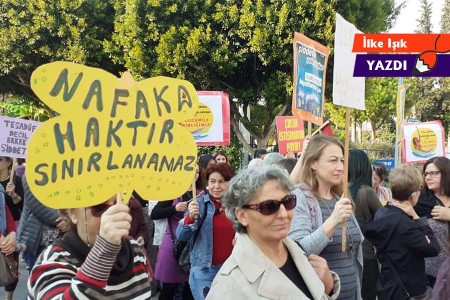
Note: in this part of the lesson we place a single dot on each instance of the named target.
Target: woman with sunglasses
(265, 263)
(434, 204)
(402, 239)
(321, 210)
(94, 260)
(167, 270)
(209, 231)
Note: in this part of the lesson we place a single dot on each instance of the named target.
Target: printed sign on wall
(15, 135)
(422, 141)
(112, 135)
(211, 124)
(310, 66)
(291, 134)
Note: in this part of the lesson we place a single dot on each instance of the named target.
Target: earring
(314, 171)
(86, 228)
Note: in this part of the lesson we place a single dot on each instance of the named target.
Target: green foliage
(424, 21)
(21, 108)
(233, 152)
(243, 48)
(381, 95)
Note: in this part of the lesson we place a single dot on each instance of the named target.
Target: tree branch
(239, 135)
(244, 120)
(272, 124)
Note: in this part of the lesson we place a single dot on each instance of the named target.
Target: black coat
(34, 216)
(402, 239)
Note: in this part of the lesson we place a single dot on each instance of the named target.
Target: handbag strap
(397, 277)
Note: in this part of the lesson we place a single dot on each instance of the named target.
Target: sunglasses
(99, 209)
(269, 207)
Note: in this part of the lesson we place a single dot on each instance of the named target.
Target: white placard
(348, 91)
(15, 135)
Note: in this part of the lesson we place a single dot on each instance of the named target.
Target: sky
(407, 20)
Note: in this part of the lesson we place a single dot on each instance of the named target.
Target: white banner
(348, 91)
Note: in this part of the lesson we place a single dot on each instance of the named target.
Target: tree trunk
(374, 131)
(353, 137)
(360, 132)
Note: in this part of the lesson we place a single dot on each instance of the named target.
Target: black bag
(9, 270)
(181, 249)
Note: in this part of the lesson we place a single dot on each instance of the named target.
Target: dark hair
(443, 164)
(380, 170)
(259, 153)
(288, 164)
(224, 169)
(200, 184)
(220, 152)
(205, 159)
(359, 171)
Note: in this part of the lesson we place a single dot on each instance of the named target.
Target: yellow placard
(112, 135)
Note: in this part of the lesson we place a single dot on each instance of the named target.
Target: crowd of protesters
(273, 231)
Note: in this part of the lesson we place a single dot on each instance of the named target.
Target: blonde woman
(321, 209)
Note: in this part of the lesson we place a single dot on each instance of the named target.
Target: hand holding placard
(193, 206)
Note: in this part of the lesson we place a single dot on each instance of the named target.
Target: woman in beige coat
(265, 263)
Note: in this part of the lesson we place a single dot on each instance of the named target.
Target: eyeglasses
(269, 207)
(99, 209)
(432, 174)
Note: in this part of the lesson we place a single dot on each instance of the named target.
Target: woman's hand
(10, 189)
(115, 224)
(193, 210)
(8, 243)
(407, 207)
(342, 211)
(320, 265)
(181, 206)
(62, 225)
(140, 240)
(441, 213)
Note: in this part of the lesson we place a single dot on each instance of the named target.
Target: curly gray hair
(244, 187)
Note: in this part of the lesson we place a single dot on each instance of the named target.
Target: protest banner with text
(291, 134)
(422, 141)
(310, 66)
(113, 135)
(15, 135)
(211, 124)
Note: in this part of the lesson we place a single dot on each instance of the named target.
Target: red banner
(291, 134)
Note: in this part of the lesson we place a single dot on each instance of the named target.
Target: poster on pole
(291, 134)
(347, 90)
(210, 126)
(422, 141)
(113, 135)
(15, 135)
(310, 68)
